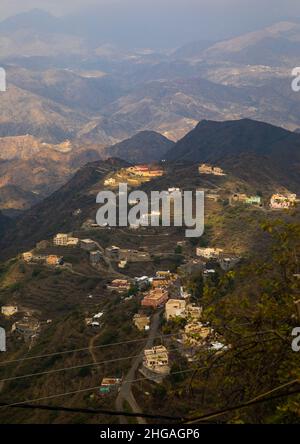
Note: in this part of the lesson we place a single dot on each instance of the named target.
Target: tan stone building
(174, 308)
(156, 360)
(141, 321)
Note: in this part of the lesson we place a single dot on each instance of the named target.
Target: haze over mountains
(70, 97)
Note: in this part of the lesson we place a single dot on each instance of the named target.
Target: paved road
(125, 393)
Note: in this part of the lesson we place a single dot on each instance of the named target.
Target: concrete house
(175, 308)
(141, 321)
(155, 298)
(119, 285)
(156, 360)
(88, 244)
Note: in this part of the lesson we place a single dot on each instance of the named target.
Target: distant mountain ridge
(245, 147)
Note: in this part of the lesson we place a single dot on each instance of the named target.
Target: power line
(84, 349)
(254, 401)
(83, 391)
(76, 367)
(92, 411)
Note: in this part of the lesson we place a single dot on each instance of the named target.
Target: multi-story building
(61, 239)
(88, 244)
(119, 285)
(156, 360)
(64, 240)
(155, 298)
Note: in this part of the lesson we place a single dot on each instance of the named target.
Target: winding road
(125, 393)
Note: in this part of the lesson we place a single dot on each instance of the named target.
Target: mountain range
(70, 99)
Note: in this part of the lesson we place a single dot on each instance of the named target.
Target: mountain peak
(212, 140)
(143, 147)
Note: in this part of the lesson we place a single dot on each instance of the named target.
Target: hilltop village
(132, 286)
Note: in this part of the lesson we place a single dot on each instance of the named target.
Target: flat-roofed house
(196, 333)
(88, 244)
(156, 360)
(174, 308)
(155, 298)
(119, 285)
(61, 239)
(141, 321)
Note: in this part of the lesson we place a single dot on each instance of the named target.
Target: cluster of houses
(146, 171)
(134, 175)
(27, 326)
(226, 261)
(67, 241)
(278, 201)
(49, 259)
(158, 294)
(205, 168)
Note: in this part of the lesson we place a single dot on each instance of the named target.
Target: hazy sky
(176, 21)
